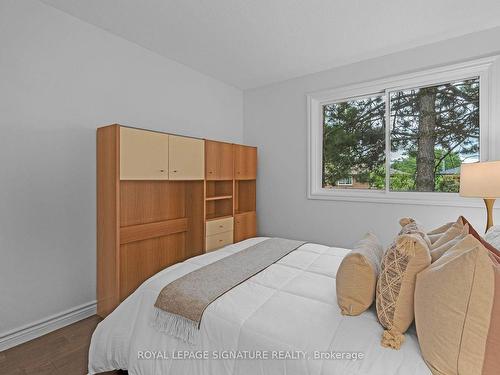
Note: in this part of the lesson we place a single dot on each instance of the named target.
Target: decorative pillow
(455, 230)
(479, 238)
(407, 256)
(357, 276)
(410, 225)
(437, 252)
(492, 236)
(435, 234)
(457, 310)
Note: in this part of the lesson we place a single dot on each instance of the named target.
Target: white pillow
(492, 236)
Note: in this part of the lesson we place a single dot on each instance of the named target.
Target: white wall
(275, 121)
(61, 78)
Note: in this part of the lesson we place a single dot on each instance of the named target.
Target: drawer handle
(174, 171)
(220, 240)
(162, 170)
(221, 226)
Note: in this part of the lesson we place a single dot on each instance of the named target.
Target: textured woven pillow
(407, 256)
(457, 311)
(357, 276)
(410, 225)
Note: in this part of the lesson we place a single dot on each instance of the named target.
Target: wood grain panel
(143, 155)
(151, 201)
(219, 160)
(195, 212)
(245, 162)
(108, 207)
(245, 226)
(142, 259)
(151, 230)
(186, 158)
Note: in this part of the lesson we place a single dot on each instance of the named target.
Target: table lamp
(481, 180)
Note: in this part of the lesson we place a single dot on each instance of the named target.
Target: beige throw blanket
(180, 305)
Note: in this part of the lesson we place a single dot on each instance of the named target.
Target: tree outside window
(432, 130)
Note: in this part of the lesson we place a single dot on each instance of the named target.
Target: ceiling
(251, 43)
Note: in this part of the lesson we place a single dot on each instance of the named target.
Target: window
(394, 138)
(433, 130)
(354, 142)
(345, 181)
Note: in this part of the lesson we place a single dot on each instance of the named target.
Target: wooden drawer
(218, 240)
(219, 226)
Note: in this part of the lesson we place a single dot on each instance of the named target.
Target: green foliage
(354, 137)
(403, 172)
(353, 140)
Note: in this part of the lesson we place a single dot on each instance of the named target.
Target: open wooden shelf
(245, 196)
(219, 188)
(217, 216)
(219, 208)
(211, 217)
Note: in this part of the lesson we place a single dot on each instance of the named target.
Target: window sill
(393, 197)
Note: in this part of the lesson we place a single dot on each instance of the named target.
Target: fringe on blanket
(175, 325)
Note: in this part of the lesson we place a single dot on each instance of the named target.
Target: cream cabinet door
(143, 155)
(186, 158)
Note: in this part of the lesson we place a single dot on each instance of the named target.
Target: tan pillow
(455, 230)
(457, 311)
(357, 276)
(438, 252)
(408, 255)
(435, 234)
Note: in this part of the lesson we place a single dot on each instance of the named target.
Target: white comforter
(287, 314)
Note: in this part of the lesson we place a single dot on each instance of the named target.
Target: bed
(284, 320)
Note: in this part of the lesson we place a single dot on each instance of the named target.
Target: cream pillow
(435, 234)
(357, 276)
(457, 310)
(440, 250)
(456, 229)
(407, 256)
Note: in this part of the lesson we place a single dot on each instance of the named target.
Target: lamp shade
(480, 180)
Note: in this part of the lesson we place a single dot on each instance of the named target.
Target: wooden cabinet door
(245, 162)
(245, 226)
(186, 158)
(143, 155)
(219, 160)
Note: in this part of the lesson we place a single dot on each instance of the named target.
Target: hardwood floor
(62, 352)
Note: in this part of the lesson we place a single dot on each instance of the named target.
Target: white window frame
(485, 68)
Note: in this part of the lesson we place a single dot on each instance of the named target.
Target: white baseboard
(41, 327)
